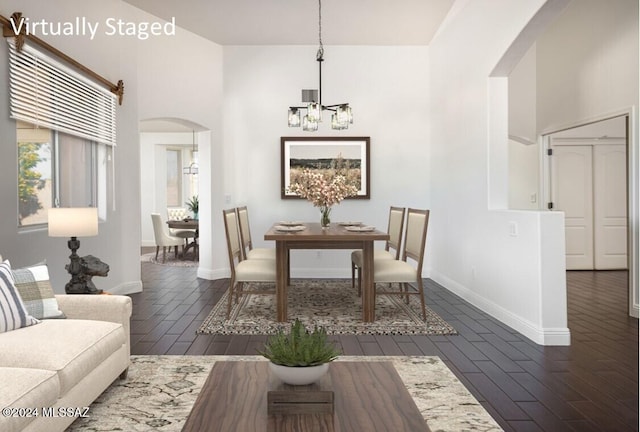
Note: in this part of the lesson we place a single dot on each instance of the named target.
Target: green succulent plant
(300, 347)
(193, 204)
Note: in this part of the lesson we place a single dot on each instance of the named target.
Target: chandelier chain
(320, 54)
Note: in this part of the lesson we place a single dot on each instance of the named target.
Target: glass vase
(325, 216)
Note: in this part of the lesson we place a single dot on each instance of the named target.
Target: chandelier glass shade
(310, 115)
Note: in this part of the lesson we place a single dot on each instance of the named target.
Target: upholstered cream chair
(244, 270)
(400, 271)
(163, 238)
(180, 213)
(391, 249)
(245, 238)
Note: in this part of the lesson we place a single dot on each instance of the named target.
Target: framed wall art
(349, 155)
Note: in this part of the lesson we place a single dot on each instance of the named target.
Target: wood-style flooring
(591, 385)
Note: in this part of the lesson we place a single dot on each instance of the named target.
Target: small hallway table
(316, 237)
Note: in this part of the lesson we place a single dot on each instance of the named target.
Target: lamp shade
(73, 222)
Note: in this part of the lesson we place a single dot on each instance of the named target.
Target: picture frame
(298, 153)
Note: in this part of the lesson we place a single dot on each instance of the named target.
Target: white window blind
(47, 93)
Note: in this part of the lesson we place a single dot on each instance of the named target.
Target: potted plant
(300, 357)
(193, 205)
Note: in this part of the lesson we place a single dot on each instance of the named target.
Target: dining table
(187, 224)
(311, 235)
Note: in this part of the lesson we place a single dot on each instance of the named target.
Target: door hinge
(550, 206)
(549, 152)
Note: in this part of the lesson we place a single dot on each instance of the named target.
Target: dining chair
(180, 213)
(163, 238)
(394, 229)
(400, 271)
(245, 238)
(244, 270)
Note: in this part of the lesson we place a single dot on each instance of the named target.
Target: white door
(610, 206)
(572, 193)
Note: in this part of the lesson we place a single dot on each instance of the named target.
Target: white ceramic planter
(299, 375)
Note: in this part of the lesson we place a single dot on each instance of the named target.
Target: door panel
(572, 193)
(610, 206)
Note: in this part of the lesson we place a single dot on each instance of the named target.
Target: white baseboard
(541, 336)
(213, 274)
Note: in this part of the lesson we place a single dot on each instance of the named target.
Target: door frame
(633, 190)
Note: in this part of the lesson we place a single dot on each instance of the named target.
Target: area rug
(328, 303)
(171, 260)
(160, 390)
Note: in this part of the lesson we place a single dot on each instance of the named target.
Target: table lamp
(74, 222)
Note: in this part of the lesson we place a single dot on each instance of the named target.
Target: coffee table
(368, 396)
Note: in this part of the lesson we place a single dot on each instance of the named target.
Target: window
(58, 169)
(66, 131)
(174, 178)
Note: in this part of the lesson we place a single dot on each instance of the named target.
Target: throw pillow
(37, 294)
(13, 314)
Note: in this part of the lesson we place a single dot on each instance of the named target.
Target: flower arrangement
(320, 190)
(323, 189)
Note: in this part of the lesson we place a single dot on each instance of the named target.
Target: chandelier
(341, 115)
(192, 169)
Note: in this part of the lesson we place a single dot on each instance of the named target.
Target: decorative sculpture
(88, 267)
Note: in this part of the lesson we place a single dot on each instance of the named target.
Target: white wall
(524, 170)
(587, 68)
(117, 244)
(387, 88)
(510, 263)
(524, 163)
(180, 77)
(587, 63)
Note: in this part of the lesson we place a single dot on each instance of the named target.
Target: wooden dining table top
(183, 223)
(314, 232)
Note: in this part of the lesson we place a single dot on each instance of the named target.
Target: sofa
(51, 372)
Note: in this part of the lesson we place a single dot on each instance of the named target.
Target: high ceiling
(295, 22)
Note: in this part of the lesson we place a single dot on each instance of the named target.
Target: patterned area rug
(160, 391)
(171, 261)
(331, 304)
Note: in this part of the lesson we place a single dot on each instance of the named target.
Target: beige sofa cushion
(73, 348)
(26, 388)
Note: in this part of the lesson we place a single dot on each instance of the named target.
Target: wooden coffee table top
(369, 396)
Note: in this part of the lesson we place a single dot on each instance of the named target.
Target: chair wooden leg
(421, 291)
(157, 250)
(405, 288)
(175, 252)
(353, 275)
(359, 270)
(164, 253)
(230, 299)
(239, 291)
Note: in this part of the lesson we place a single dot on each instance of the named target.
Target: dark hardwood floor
(591, 385)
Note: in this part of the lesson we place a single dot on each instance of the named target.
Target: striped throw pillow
(13, 314)
(35, 290)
